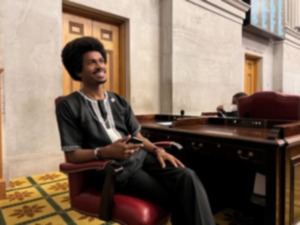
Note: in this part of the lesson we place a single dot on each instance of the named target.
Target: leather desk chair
(105, 204)
(270, 105)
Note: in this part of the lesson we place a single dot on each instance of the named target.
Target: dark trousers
(177, 189)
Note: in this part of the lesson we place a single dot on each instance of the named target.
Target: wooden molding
(2, 181)
(2, 189)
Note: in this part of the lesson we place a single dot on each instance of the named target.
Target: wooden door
(250, 81)
(108, 34)
(77, 26)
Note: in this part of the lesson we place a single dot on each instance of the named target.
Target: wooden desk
(241, 147)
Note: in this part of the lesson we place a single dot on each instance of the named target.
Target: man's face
(93, 69)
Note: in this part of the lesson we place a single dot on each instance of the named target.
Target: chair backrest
(270, 105)
(58, 99)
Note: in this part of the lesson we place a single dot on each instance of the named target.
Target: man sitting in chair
(233, 111)
(97, 124)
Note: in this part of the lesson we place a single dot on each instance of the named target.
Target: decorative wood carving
(76, 28)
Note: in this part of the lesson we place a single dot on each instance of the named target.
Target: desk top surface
(223, 127)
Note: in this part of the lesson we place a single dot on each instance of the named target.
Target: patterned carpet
(44, 200)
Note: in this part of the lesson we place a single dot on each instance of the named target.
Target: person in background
(97, 124)
(233, 112)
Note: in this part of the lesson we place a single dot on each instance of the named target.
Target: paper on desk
(259, 184)
(168, 123)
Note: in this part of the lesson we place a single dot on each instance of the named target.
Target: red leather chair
(105, 204)
(270, 105)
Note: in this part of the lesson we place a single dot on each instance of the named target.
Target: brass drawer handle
(246, 157)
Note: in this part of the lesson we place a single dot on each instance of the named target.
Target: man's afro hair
(73, 52)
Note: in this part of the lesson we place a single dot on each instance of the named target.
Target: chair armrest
(78, 167)
(169, 144)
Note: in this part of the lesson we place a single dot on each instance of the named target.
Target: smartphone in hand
(134, 140)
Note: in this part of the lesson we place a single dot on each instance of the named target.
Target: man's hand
(163, 156)
(122, 150)
(220, 108)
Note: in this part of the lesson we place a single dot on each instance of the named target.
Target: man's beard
(101, 71)
(102, 81)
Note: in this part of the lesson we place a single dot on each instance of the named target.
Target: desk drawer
(229, 151)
